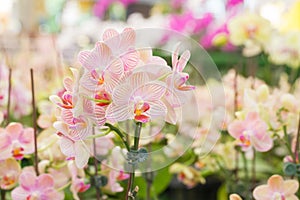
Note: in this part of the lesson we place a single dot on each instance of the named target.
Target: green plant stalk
(120, 134)
(149, 176)
(135, 147)
(253, 168)
(296, 153)
(246, 173)
(287, 143)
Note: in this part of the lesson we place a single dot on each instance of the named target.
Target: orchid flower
(277, 188)
(10, 170)
(36, 188)
(64, 99)
(73, 146)
(235, 197)
(138, 99)
(114, 175)
(15, 141)
(122, 46)
(177, 88)
(78, 184)
(101, 68)
(251, 132)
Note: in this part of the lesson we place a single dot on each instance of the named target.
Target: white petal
(121, 94)
(118, 112)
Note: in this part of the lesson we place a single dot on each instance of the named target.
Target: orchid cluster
(259, 119)
(117, 82)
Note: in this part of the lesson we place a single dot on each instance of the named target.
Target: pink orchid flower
(122, 46)
(64, 99)
(277, 188)
(177, 88)
(138, 98)
(36, 188)
(78, 185)
(10, 170)
(72, 146)
(179, 78)
(79, 127)
(101, 68)
(114, 175)
(15, 141)
(251, 132)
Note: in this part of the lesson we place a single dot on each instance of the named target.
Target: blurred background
(254, 37)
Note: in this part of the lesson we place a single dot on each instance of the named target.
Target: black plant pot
(178, 191)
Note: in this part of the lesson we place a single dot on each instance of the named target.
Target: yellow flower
(250, 30)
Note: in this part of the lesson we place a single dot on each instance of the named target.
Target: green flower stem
(246, 173)
(287, 143)
(120, 134)
(64, 186)
(253, 168)
(135, 147)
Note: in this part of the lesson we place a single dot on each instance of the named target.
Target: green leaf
(160, 183)
(222, 192)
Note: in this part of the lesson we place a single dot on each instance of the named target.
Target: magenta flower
(36, 188)
(187, 23)
(233, 3)
(217, 38)
(277, 188)
(138, 98)
(251, 132)
(15, 141)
